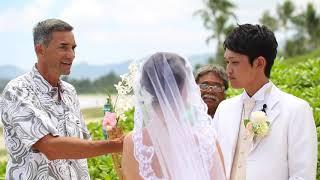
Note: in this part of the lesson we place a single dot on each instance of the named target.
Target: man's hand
(117, 144)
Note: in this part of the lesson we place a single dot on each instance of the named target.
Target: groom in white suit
(284, 149)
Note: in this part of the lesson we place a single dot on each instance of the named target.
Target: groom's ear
(260, 63)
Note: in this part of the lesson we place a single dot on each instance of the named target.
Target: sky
(111, 31)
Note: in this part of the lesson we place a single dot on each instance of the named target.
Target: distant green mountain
(87, 71)
(3, 83)
(92, 72)
(10, 71)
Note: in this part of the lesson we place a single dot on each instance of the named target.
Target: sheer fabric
(173, 137)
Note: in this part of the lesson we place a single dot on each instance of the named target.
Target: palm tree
(285, 13)
(312, 24)
(308, 24)
(269, 21)
(216, 17)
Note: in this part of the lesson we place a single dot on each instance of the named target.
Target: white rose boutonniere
(258, 124)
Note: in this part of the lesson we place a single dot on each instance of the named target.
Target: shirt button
(239, 166)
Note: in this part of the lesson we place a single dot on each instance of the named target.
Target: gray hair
(218, 70)
(42, 32)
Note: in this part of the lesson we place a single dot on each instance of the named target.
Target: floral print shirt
(30, 108)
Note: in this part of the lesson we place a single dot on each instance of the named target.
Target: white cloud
(122, 45)
(106, 30)
(124, 12)
(152, 11)
(14, 19)
(84, 13)
(130, 29)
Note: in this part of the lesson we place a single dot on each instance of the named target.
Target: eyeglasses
(215, 88)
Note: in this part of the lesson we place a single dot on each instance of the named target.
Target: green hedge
(102, 167)
(303, 81)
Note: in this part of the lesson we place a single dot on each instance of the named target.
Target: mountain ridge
(84, 70)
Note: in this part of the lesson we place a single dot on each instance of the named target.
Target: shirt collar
(259, 95)
(43, 85)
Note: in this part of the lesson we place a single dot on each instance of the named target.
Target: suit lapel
(272, 111)
(234, 122)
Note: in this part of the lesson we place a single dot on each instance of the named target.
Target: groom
(289, 148)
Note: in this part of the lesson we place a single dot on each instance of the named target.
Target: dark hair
(155, 67)
(253, 41)
(42, 32)
(216, 69)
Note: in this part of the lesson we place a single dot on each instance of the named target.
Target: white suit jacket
(289, 151)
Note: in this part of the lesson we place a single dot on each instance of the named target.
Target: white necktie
(248, 107)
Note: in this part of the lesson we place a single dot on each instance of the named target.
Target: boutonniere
(258, 124)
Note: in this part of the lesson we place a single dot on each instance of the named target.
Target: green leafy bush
(102, 167)
(303, 81)
(3, 169)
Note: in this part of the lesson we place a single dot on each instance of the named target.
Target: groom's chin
(235, 83)
(236, 86)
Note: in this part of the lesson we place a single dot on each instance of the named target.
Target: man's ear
(39, 48)
(260, 63)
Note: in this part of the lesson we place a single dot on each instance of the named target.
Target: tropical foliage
(303, 27)
(101, 168)
(299, 27)
(218, 17)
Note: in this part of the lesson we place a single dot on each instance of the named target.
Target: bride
(173, 137)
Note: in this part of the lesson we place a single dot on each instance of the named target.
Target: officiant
(213, 82)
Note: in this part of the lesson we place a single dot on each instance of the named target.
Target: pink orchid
(109, 120)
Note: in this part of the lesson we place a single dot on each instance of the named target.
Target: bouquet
(114, 111)
(109, 122)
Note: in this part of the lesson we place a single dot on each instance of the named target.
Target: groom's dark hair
(156, 68)
(253, 41)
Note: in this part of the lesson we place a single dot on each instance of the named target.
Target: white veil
(173, 136)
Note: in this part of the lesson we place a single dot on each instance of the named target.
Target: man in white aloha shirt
(45, 133)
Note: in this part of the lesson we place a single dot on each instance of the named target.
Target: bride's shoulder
(128, 142)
